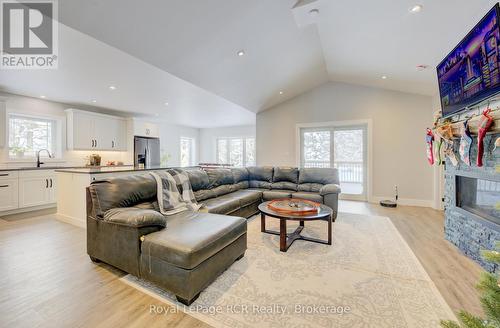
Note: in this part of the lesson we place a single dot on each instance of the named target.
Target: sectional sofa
(184, 253)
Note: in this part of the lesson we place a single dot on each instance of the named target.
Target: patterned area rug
(368, 278)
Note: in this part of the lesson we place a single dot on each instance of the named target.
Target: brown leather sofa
(184, 253)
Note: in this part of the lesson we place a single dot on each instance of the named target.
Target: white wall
(208, 139)
(169, 134)
(399, 121)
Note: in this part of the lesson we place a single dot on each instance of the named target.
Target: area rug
(369, 277)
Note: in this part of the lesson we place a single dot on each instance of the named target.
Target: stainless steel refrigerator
(147, 152)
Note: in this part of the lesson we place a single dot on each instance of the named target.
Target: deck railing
(351, 172)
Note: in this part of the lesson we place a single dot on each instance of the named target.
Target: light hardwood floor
(47, 279)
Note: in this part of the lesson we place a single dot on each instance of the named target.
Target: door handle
(4, 186)
(50, 183)
(46, 183)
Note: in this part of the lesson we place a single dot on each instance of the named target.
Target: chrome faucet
(38, 163)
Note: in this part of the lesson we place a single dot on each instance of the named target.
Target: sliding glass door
(341, 147)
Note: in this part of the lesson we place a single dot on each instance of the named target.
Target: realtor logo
(29, 34)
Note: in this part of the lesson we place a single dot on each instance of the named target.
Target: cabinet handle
(4, 175)
(96, 142)
(92, 143)
(4, 186)
(46, 183)
(50, 183)
(112, 144)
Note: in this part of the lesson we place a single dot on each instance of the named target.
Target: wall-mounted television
(470, 73)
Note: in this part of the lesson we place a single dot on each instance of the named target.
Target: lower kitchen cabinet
(9, 194)
(36, 188)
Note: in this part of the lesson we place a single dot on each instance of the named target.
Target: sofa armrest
(329, 189)
(135, 217)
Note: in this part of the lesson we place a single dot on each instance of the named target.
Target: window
(342, 147)
(28, 134)
(238, 152)
(187, 152)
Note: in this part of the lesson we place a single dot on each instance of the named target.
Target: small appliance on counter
(146, 152)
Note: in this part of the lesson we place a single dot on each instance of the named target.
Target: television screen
(470, 73)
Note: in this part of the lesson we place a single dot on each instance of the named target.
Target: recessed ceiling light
(416, 9)
(43, 97)
(241, 53)
(166, 103)
(112, 87)
(281, 92)
(314, 12)
(94, 101)
(384, 77)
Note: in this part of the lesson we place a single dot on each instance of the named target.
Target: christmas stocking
(484, 125)
(450, 153)
(446, 134)
(429, 138)
(465, 144)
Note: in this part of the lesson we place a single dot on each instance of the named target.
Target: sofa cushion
(203, 194)
(318, 175)
(193, 239)
(222, 190)
(259, 184)
(276, 194)
(314, 187)
(329, 189)
(314, 196)
(198, 178)
(135, 217)
(121, 192)
(286, 174)
(260, 173)
(241, 185)
(219, 176)
(284, 185)
(222, 205)
(239, 174)
(247, 196)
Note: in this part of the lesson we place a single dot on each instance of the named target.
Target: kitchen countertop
(34, 168)
(109, 169)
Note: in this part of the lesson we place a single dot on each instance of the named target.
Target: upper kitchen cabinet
(145, 129)
(91, 131)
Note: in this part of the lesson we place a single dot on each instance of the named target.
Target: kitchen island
(72, 184)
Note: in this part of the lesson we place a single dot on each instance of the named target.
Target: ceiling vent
(306, 12)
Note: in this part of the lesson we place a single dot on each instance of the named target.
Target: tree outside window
(238, 152)
(27, 135)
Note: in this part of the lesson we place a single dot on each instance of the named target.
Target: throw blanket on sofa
(174, 192)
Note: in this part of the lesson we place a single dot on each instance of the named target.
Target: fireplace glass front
(478, 196)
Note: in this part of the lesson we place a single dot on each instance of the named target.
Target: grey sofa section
(185, 252)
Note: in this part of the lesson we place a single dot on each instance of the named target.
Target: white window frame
(339, 125)
(57, 138)
(228, 143)
(192, 151)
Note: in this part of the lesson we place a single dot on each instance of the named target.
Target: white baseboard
(27, 209)
(405, 201)
(70, 220)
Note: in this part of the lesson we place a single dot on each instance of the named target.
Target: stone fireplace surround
(469, 232)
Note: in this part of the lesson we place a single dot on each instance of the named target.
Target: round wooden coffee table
(324, 213)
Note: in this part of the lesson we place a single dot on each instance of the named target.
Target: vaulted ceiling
(357, 42)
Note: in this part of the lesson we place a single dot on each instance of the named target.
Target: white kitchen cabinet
(36, 188)
(92, 131)
(146, 129)
(3, 121)
(9, 199)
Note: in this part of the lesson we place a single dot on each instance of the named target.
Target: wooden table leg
(283, 235)
(330, 230)
(262, 222)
